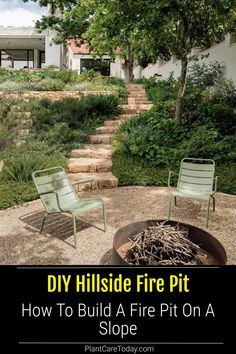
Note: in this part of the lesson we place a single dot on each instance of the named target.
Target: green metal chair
(196, 180)
(58, 196)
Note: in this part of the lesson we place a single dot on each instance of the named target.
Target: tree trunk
(130, 70)
(181, 92)
(129, 66)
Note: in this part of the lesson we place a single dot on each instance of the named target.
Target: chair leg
(74, 229)
(207, 214)
(214, 203)
(104, 217)
(169, 211)
(42, 225)
(175, 201)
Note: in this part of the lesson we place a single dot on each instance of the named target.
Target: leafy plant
(6, 139)
(88, 75)
(225, 89)
(12, 86)
(74, 112)
(205, 75)
(21, 169)
(133, 171)
(12, 193)
(46, 84)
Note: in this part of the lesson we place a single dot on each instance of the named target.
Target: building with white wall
(81, 59)
(25, 47)
(224, 52)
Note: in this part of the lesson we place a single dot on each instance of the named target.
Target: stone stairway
(24, 123)
(95, 160)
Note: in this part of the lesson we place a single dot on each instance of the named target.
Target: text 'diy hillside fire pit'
(160, 242)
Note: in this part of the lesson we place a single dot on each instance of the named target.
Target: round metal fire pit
(201, 237)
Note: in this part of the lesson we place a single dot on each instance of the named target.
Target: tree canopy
(143, 30)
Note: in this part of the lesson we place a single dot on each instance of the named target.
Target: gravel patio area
(21, 242)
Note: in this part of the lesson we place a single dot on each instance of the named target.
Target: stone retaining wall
(53, 95)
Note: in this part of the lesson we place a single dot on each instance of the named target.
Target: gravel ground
(21, 242)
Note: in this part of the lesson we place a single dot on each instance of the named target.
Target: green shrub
(100, 85)
(23, 76)
(115, 81)
(74, 112)
(20, 169)
(64, 137)
(67, 76)
(153, 137)
(204, 142)
(46, 84)
(225, 90)
(205, 75)
(67, 123)
(9, 86)
(227, 178)
(12, 193)
(88, 75)
(34, 146)
(161, 90)
(6, 139)
(132, 171)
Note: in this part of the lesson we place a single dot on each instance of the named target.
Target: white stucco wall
(116, 68)
(53, 52)
(224, 52)
(118, 71)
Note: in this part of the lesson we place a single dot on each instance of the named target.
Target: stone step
(107, 129)
(98, 146)
(22, 114)
(135, 101)
(101, 138)
(76, 165)
(95, 151)
(23, 132)
(24, 121)
(129, 109)
(20, 142)
(137, 94)
(104, 180)
(126, 116)
(15, 108)
(136, 106)
(1, 165)
(144, 107)
(137, 98)
(112, 123)
(135, 86)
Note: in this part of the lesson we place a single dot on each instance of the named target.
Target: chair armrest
(57, 198)
(84, 181)
(87, 181)
(169, 177)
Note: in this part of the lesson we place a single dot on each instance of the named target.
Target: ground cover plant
(56, 127)
(52, 79)
(153, 143)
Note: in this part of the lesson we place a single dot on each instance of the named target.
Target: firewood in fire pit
(162, 244)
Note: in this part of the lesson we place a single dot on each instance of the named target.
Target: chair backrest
(196, 176)
(54, 179)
